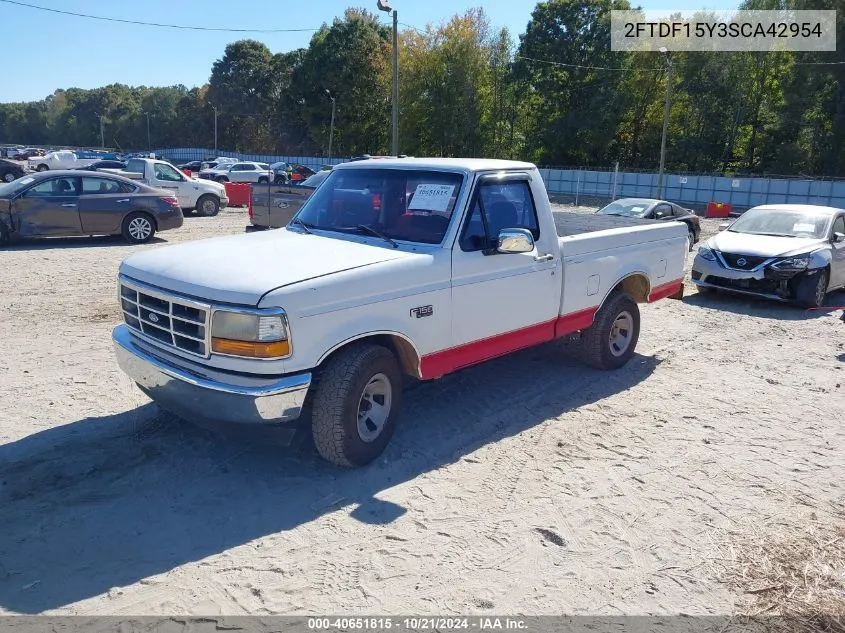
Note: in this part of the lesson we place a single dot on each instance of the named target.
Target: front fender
(820, 258)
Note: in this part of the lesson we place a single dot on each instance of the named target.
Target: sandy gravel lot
(527, 485)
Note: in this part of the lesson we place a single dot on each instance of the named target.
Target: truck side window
(166, 172)
(504, 206)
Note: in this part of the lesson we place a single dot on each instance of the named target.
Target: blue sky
(52, 51)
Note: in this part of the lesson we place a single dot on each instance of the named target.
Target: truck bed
(569, 223)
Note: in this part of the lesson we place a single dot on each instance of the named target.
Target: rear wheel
(9, 176)
(42, 167)
(263, 180)
(138, 228)
(208, 205)
(611, 340)
(357, 405)
(691, 239)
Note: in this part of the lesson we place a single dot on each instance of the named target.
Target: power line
(546, 61)
(167, 26)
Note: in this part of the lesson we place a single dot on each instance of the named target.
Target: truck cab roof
(450, 164)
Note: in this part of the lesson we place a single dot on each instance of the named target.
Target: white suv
(240, 172)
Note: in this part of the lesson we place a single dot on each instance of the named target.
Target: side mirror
(515, 241)
(838, 237)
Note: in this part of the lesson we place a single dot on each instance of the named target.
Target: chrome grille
(174, 321)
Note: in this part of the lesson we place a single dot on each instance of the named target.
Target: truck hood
(240, 269)
(762, 245)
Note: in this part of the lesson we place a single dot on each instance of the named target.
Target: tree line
(555, 95)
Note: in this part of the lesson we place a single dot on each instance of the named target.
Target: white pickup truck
(392, 269)
(206, 196)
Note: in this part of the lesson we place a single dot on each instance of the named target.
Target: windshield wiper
(377, 233)
(775, 234)
(305, 226)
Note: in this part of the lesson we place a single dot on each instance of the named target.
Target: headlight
(798, 262)
(250, 335)
(706, 253)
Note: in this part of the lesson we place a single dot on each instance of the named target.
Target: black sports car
(652, 209)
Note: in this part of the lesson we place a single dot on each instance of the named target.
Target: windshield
(13, 187)
(782, 222)
(402, 204)
(628, 208)
(316, 179)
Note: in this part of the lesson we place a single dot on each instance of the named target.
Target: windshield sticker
(802, 227)
(431, 198)
(637, 209)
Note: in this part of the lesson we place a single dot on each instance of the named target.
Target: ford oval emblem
(153, 317)
(741, 261)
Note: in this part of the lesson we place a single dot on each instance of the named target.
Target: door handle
(544, 258)
(123, 200)
(69, 204)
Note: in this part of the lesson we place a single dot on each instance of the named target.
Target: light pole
(102, 131)
(215, 129)
(384, 5)
(149, 144)
(665, 52)
(331, 126)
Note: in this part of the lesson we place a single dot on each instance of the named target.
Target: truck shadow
(763, 308)
(49, 243)
(106, 502)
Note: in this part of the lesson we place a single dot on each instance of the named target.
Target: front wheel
(42, 167)
(263, 180)
(208, 206)
(138, 228)
(357, 405)
(9, 177)
(610, 341)
(812, 288)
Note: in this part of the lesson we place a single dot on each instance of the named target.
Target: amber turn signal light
(276, 349)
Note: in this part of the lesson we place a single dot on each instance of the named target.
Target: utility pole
(666, 107)
(102, 131)
(215, 129)
(331, 126)
(384, 5)
(149, 144)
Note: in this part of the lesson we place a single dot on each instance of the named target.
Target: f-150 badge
(422, 311)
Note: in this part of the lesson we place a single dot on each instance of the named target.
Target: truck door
(167, 177)
(48, 208)
(502, 302)
(837, 263)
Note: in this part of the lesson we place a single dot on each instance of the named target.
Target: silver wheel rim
(374, 407)
(821, 287)
(208, 206)
(621, 333)
(140, 228)
(9, 177)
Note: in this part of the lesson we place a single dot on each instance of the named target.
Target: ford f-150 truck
(207, 197)
(392, 268)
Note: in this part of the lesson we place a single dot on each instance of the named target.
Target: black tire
(138, 228)
(9, 176)
(222, 179)
(338, 400)
(263, 180)
(691, 239)
(42, 167)
(208, 205)
(597, 348)
(279, 180)
(811, 288)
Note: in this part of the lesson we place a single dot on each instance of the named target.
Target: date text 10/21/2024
(481, 623)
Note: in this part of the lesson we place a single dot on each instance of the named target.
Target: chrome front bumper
(243, 400)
